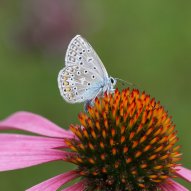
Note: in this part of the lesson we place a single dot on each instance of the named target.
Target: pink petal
(15, 141)
(34, 123)
(172, 186)
(55, 182)
(11, 159)
(183, 173)
(80, 186)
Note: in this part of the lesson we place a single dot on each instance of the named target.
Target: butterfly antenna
(123, 82)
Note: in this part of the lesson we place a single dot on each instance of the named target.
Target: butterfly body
(84, 77)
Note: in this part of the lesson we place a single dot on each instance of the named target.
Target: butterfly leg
(91, 102)
(88, 103)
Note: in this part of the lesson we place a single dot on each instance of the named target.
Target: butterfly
(84, 76)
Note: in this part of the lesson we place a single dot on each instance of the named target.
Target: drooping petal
(183, 173)
(11, 159)
(34, 123)
(171, 185)
(76, 187)
(16, 141)
(55, 182)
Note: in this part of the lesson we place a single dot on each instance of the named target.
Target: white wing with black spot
(84, 76)
(79, 84)
(80, 52)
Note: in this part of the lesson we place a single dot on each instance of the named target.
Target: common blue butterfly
(84, 76)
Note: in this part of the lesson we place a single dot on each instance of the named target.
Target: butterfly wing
(84, 75)
(79, 84)
(81, 53)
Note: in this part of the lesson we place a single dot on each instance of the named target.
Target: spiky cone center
(126, 141)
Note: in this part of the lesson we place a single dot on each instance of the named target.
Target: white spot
(82, 80)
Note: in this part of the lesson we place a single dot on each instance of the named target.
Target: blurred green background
(145, 42)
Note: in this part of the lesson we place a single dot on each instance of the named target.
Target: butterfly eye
(112, 80)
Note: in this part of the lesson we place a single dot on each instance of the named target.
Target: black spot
(80, 58)
(83, 50)
(85, 71)
(81, 63)
(95, 68)
(80, 52)
(88, 84)
(93, 76)
(90, 59)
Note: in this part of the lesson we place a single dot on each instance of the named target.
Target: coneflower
(125, 142)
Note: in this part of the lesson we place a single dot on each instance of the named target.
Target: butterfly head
(113, 82)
